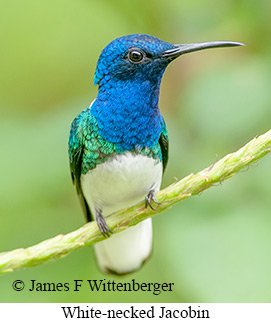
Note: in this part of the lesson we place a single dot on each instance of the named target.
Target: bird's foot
(102, 224)
(149, 198)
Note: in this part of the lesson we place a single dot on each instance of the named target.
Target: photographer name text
(98, 285)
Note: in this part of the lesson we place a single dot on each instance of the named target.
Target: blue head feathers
(131, 56)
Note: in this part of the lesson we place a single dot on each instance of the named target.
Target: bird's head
(143, 57)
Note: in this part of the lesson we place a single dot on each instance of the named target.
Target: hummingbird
(118, 146)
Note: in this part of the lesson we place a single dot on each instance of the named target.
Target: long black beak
(188, 48)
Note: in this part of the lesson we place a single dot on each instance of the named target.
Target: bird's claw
(149, 198)
(102, 225)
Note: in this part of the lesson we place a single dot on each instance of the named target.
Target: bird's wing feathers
(163, 142)
(76, 150)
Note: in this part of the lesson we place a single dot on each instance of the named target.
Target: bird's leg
(149, 198)
(102, 224)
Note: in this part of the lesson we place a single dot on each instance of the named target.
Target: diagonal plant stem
(89, 234)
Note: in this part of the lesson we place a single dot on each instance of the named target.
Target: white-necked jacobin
(118, 146)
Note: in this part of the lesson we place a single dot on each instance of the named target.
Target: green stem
(89, 234)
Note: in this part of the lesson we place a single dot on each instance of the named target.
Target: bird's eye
(135, 55)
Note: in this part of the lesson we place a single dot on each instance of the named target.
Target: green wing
(76, 151)
(163, 142)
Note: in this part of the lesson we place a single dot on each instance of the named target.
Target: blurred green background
(214, 247)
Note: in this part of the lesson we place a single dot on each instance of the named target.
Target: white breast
(121, 182)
